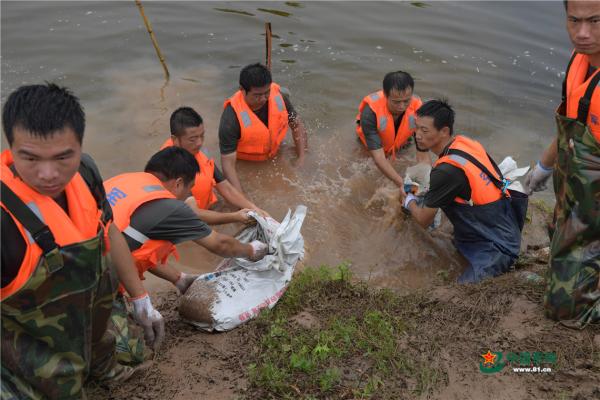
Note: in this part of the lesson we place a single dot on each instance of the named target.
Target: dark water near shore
(499, 63)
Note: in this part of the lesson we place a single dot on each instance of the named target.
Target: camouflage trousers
(573, 293)
(129, 337)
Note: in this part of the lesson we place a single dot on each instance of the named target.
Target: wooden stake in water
(153, 38)
(268, 43)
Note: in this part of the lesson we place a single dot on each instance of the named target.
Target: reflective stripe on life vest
(127, 192)
(82, 223)
(391, 140)
(257, 141)
(575, 89)
(204, 182)
(483, 190)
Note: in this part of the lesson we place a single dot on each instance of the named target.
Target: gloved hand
(537, 178)
(185, 281)
(150, 320)
(409, 197)
(259, 250)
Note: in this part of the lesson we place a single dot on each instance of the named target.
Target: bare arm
(225, 246)
(215, 217)
(234, 196)
(386, 168)
(423, 215)
(550, 155)
(300, 138)
(166, 272)
(124, 264)
(229, 170)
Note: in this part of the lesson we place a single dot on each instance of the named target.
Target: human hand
(299, 162)
(536, 180)
(259, 250)
(261, 212)
(409, 197)
(185, 281)
(243, 216)
(150, 320)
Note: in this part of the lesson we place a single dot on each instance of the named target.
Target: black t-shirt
(13, 244)
(218, 175)
(166, 219)
(446, 183)
(229, 128)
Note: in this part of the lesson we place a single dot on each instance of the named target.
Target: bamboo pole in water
(268, 43)
(153, 38)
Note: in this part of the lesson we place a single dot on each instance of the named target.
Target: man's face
(256, 97)
(426, 134)
(179, 188)
(191, 140)
(46, 164)
(583, 25)
(398, 101)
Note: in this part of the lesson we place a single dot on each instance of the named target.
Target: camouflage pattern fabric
(129, 337)
(50, 324)
(572, 294)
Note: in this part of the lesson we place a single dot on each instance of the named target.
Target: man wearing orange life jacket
(255, 121)
(386, 122)
(469, 188)
(573, 158)
(187, 132)
(148, 208)
(57, 292)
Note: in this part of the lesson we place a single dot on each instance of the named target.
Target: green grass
(355, 349)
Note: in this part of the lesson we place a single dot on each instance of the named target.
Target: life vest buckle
(505, 184)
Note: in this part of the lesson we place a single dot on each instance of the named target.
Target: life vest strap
(564, 83)
(586, 100)
(501, 183)
(40, 232)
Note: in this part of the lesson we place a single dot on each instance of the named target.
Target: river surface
(499, 63)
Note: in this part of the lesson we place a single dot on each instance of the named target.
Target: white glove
(409, 197)
(537, 178)
(150, 320)
(185, 281)
(259, 250)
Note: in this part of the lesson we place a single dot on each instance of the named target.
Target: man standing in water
(469, 188)
(255, 121)
(57, 292)
(386, 121)
(573, 287)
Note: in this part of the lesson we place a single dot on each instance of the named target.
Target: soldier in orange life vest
(57, 292)
(469, 188)
(187, 132)
(148, 208)
(255, 121)
(573, 159)
(386, 121)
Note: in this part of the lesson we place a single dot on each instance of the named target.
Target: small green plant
(329, 379)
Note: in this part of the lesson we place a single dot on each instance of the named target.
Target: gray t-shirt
(167, 219)
(230, 131)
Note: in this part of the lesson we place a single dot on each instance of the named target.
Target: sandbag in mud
(239, 288)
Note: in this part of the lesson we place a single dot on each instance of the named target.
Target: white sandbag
(510, 171)
(240, 288)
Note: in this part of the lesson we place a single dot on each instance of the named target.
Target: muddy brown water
(499, 63)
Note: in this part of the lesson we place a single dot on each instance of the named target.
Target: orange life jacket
(483, 190)
(82, 222)
(204, 182)
(576, 86)
(127, 192)
(259, 142)
(392, 141)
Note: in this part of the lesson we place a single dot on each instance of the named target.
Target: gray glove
(259, 250)
(150, 320)
(185, 281)
(537, 179)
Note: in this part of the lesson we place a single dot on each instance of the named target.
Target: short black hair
(441, 112)
(254, 75)
(172, 163)
(42, 110)
(182, 118)
(398, 80)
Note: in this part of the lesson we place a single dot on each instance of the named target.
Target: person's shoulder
(88, 169)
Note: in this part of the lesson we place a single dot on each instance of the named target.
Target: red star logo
(489, 358)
